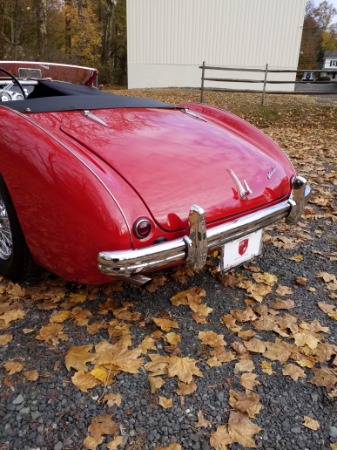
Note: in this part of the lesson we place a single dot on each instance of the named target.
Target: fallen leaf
(155, 383)
(84, 381)
(186, 389)
(293, 371)
(310, 423)
(115, 443)
(78, 357)
(165, 324)
(52, 334)
(13, 367)
(112, 399)
(220, 439)
(165, 402)
(242, 430)
(245, 402)
(102, 425)
(5, 339)
(31, 375)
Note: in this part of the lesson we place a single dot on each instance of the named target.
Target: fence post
(202, 82)
(264, 84)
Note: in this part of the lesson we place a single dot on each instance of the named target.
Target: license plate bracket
(235, 253)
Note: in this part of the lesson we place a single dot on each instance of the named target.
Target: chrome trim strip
(194, 249)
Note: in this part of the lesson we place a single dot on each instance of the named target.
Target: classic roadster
(95, 185)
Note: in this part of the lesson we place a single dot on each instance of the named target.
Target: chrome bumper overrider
(194, 247)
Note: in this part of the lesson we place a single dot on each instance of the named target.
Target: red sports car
(95, 185)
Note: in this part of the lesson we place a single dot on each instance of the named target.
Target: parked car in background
(96, 186)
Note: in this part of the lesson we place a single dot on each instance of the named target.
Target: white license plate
(237, 252)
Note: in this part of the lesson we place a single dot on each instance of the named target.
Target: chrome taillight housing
(142, 228)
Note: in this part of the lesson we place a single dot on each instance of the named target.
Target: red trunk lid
(173, 160)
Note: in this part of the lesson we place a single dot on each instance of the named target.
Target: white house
(330, 65)
(169, 39)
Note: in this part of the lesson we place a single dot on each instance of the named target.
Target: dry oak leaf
(173, 338)
(211, 338)
(255, 345)
(52, 334)
(324, 376)
(220, 439)
(284, 290)
(115, 443)
(31, 375)
(165, 324)
(13, 367)
(12, 315)
(245, 365)
(183, 368)
(148, 343)
(84, 381)
(293, 371)
(266, 278)
(78, 357)
(186, 389)
(249, 381)
(202, 422)
(267, 367)
(102, 425)
(158, 364)
(173, 446)
(118, 356)
(303, 339)
(282, 304)
(245, 402)
(155, 383)
(310, 423)
(112, 399)
(5, 338)
(123, 313)
(242, 430)
(184, 297)
(165, 402)
(90, 443)
(277, 351)
(60, 316)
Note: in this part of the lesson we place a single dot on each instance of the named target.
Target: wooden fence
(264, 81)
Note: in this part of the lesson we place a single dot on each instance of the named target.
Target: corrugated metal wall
(169, 39)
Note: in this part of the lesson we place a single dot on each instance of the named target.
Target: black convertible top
(52, 96)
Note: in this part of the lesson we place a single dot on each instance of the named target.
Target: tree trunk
(108, 28)
(42, 27)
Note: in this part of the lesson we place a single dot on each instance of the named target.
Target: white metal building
(169, 39)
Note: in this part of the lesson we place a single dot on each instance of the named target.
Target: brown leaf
(52, 334)
(242, 430)
(282, 304)
(173, 446)
(324, 376)
(310, 423)
(115, 443)
(293, 371)
(102, 425)
(118, 356)
(173, 338)
(13, 367)
(78, 357)
(183, 368)
(155, 383)
(166, 403)
(90, 443)
(220, 439)
(248, 381)
(211, 338)
(245, 365)
(245, 402)
(84, 381)
(112, 399)
(5, 338)
(186, 389)
(31, 375)
(60, 316)
(255, 345)
(277, 351)
(165, 324)
(202, 422)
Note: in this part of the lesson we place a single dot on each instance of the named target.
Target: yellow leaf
(303, 339)
(310, 423)
(90, 443)
(118, 355)
(148, 343)
(266, 367)
(100, 373)
(245, 365)
(242, 430)
(52, 333)
(165, 402)
(211, 338)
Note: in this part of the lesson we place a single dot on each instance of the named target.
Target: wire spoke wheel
(6, 237)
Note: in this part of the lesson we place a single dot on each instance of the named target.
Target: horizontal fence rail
(265, 82)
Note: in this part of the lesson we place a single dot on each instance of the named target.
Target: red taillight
(142, 228)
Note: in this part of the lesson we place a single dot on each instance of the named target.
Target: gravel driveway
(247, 358)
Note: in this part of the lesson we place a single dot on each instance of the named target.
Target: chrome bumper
(193, 248)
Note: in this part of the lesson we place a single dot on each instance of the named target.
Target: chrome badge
(271, 172)
(244, 191)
